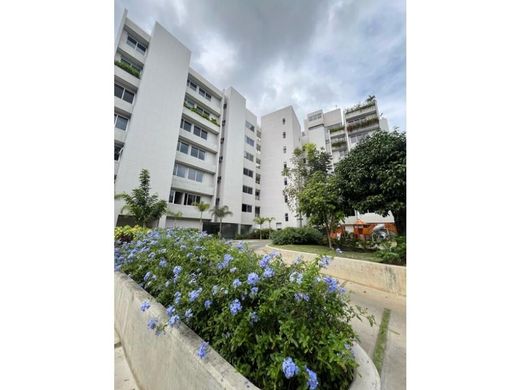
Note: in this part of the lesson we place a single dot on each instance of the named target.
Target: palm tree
(260, 220)
(175, 215)
(220, 213)
(143, 206)
(202, 207)
(270, 219)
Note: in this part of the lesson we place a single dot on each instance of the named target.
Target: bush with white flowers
(282, 327)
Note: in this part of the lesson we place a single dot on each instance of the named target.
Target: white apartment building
(198, 142)
(281, 134)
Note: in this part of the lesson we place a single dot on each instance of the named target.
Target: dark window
(283, 135)
(183, 147)
(246, 208)
(118, 91)
(257, 179)
(285, 149)
(284, 165)
(200, 133)
(192, 85)
(178, 197)
(250, 126)
(285, 198)
(190, 199)
(284, 181)
(123, 93)
(172, 193)
(250, 141)
(249, 156)
(198, 153)
(204, 93)
(286, 217)
(257, 194)
(247, 190)
(283, 121)
(248, 172)
(257, 211)
(117, 151)
(121, 121)
(186, 125)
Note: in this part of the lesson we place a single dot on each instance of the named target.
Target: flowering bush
(291, 235)
(128, 233)
(283, 327)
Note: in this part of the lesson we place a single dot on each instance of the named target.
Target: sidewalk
(123, 378)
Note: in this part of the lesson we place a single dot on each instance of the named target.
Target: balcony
(339, 145)
(192, 186)
(116, 167)
(335, 130)
(212, 105)
(128, 68)
(189, 211)
(123, 106)
(124, 75)
(119, 135)
(197, 141)
(195, 162)
(363, 124)
(199, 119)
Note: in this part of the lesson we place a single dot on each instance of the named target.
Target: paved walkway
(123, 378)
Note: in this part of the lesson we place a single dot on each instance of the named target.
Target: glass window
(249, 156)
(117, 151)
(247, 190)
(189, 103)
(204, 93)
(250, 141)
(118, 91)
(283, 121)
(178, 197)
(286, 217)
(250, 126)
(192, 85)
(257, 211)
(182, 147)
(131, 41)
(141, 48)
(248, 172)
(285, 149)
(199, 153)
(190, 199)
(179, 170)
(121, 122)
(186, 125)
(283, 135)
(200, 133)
(257, 179)
(246, 208)
(128, 96)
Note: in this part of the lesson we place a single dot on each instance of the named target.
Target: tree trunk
(328, 237)
(400, 221)
(220, 230)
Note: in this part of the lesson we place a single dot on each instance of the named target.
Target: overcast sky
(311, 54)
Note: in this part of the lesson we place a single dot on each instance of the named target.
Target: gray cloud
(308, 53)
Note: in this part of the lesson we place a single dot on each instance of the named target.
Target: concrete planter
(384, 277)
(170, 361)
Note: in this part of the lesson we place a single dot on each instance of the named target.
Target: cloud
(308, 53)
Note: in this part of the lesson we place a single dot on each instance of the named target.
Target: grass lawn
(323, 250)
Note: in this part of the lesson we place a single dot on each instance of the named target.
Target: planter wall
(385, 277)
(170, 361)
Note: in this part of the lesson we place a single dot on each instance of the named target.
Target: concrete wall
(389, 278)
(168, 361)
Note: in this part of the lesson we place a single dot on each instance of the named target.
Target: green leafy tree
(269, 220)
(202, 207)
(305, 161)
(146, 208)
(372, 178)
(319, 201)
(260, 221)
(220, 213)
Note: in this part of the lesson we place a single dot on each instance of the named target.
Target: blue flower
(203, 349)
(235, 307)
(225, 262)
(301, 296)
(145, 306)
(252, 278)
(174, 319)
(298, 260)
(289, 368)
(177, 297)
(312, 382)
(188, 314)
(332, 283)
(324, 261)
(151, 255)
(236, 283)
(253, 317)
(148, 275)
(152, 323)
(296, 277)
(268, 273)
(163, 263)
(254, 290)
(176, 271)
(170, 310)
(339, 251)
(264, 262)
(207, 303)
(240, 246)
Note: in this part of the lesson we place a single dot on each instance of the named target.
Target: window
(190, 199)
(204, 93)
(286, 217)
(313, 117)
(283, 135)
(180, 170)
(123, 93)
(186, 125)
(192, 85)
(200, 133)
(198, 153)
(120, 121)
(202, 112)
(283, 121)
(191, 173)
(258, 148)
(172, 193)
(257, 194)
(284, 165)
(258, 162)
(247, 208)
(195, 175)
(259, 134)
(118, 148)
(249, 156)
(247, 190)
(249, 141)
(135, 44)
(183, 147)
(189, 103)
(285, 149)
(257, 179)
(285, 198)
(178, 197)
(250, 126)
(248, 172)
(284, 181)
(257, 211)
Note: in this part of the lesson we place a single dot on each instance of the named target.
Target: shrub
(267, 319)
(254, 234)
(393, 251)
(128, 68)
(290, 235)
(128, 233)
(349, 242)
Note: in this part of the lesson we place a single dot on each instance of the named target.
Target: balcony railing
(360, 106)
(128, 68)
(361, 124)
(207, 117)
(336, 129)
(339, 144)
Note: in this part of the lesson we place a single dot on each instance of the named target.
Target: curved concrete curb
(170, 361)
(385, 277)
(367, 377)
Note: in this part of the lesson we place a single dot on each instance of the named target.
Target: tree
(270, 219)
(260, 221)
(175, 215)
(372, 178)
(220, 213)
(319, 201)
(202, 207)
(143, 206)
(305, 161)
